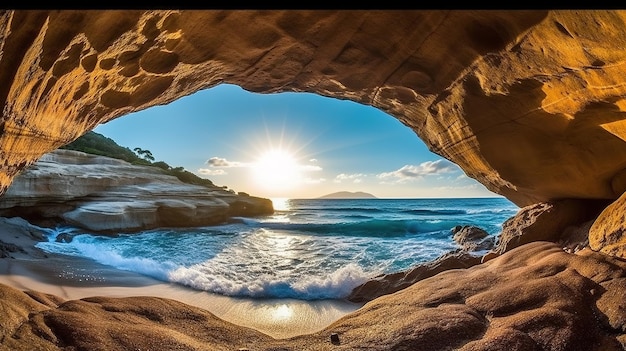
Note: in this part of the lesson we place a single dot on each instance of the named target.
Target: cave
(528, 103)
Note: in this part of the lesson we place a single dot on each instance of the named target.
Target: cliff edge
(103, 194)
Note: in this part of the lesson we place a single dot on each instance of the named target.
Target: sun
(276, 170)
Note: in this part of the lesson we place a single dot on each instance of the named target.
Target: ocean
(309, 249)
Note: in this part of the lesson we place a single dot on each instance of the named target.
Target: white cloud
(355, 178)
(222, 162)
(412, 172)
(213, 172)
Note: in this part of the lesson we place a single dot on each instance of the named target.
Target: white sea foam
(492, 210)
(334, 286)
(338, 284)
(88, 246)
(319, 249)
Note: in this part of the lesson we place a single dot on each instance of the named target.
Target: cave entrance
(291, 145)
(392, 206)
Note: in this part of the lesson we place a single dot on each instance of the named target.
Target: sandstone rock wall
(529, 103)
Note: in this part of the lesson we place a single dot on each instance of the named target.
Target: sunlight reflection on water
(281, 203)
(282, 312)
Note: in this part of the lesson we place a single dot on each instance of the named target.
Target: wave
(367, 228)
(494, 210)
(212, 276)
(344, 209)
(308, 253)
(336, 285)
(85, 245)
(435, 212)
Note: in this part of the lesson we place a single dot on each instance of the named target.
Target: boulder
(393, 282)
(545, 222)
(472, 238)
(607, 232)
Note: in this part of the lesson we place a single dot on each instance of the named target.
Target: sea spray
(311, 249)
(336, 285)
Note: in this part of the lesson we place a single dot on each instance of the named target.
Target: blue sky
(293, 145)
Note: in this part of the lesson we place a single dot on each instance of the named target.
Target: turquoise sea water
(308, 249)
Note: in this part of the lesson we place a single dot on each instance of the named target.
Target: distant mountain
(348, 195)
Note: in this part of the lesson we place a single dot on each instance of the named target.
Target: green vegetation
(145, 154)
(97, 144)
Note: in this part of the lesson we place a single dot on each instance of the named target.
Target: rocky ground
(535, 297)
(539, 288)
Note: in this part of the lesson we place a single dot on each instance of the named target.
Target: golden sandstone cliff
(529, 103)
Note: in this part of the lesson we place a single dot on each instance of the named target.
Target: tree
(146, 154)
(162, 165)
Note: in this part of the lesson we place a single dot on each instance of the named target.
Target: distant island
(348, 195)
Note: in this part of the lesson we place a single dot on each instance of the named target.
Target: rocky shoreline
(537, 296)
(529, 103)
(540, 287)
(539, 279)
(106, 195)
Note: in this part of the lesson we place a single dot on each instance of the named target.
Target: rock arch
(529, 103)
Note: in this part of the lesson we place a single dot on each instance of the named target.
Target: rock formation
(546, 222)
(386, 284)
(471, 238)
(607, 232)
(529, 103)
(535, 297)
(103, 194)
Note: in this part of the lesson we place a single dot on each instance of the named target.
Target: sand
(76, 278)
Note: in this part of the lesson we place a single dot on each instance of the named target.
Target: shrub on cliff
(98, 144)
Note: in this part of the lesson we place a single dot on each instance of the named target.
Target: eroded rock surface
(390, 283)
(555, 221)
(535, 297)
(530, 103)
(607, 232)
(103, 194)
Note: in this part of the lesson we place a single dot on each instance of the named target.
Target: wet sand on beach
(76, 278)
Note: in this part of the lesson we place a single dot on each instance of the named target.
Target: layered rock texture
(535, 297)
(529, 103)
(103, 194)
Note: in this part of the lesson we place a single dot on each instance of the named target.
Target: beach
(76, 278)
(284, 275)
(536, 296)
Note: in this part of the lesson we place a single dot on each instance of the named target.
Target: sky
(291, 145)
